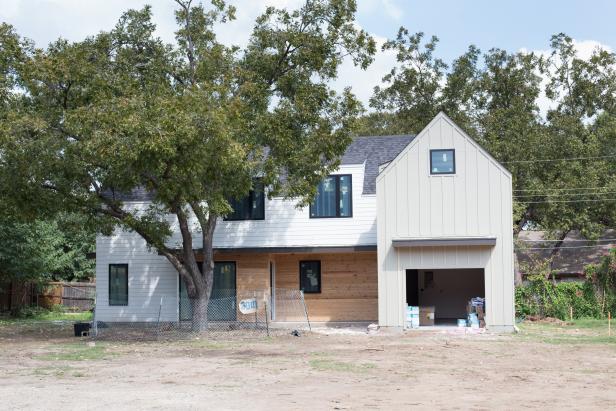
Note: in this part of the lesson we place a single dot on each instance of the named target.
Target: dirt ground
(543, 367)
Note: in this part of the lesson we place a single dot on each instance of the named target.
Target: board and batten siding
(476, 201)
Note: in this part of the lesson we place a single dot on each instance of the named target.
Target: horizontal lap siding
(348, 285)
(150, 279)
(285, 225)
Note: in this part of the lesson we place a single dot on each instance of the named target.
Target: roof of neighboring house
(567, 260)
(374, 151)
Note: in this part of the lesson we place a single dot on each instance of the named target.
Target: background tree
(562, 161)
(192, 123)
(42, 251)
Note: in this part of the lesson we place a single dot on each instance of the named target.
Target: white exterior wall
(287, 226)
(151, 276)
(476, 201)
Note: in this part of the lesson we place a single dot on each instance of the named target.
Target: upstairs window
(118, 284)
(334, 198)
(443, 161)
(251, 207)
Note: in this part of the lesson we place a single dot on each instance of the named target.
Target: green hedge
(591, 298)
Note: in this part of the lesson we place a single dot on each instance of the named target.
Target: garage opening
(447, 291)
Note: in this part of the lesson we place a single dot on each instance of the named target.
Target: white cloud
(46, 20)
(362, 82)
(388, 7)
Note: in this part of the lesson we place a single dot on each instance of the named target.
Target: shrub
(593, 297)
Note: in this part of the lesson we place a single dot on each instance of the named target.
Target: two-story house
(417, 220)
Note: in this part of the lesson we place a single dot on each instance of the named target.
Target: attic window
(443, 161)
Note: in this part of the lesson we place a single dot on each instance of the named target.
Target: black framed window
(251, 207)
(118, 284)
(334, 198)
(310, 276)
(443, 161)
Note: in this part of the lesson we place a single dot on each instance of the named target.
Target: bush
(30, 311)
(591, 298)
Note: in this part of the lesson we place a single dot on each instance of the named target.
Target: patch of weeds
(51, 371)
(76, 352)
(326, 364)
(580, 332)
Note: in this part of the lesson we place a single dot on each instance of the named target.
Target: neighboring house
(570, 259)
(444, 236)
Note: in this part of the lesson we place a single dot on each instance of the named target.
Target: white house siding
(476, 201)
(151, 276)
(150, 279)
(287, 226)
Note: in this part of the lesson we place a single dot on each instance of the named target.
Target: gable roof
(371, 150)
(443, 117)
(374, 151)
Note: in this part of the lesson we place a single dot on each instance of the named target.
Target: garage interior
(448, 291)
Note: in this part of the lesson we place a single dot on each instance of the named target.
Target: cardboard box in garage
(426, 315)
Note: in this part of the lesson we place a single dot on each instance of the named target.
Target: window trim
(453, 151)
(337, 179)
(109, 286)
(300, 276)
(250, 199)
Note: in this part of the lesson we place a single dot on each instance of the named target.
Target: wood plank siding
(348, 285)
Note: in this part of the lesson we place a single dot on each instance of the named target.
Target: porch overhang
(287, 250)
(443, 241)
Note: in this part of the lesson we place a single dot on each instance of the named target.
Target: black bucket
(82, 329)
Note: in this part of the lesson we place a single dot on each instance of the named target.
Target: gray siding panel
(474, 202)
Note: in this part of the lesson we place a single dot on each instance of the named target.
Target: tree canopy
(192, 123)
(562, 159)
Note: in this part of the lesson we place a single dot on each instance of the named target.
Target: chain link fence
(228, 312)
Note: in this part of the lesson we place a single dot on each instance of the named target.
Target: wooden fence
(69, 294)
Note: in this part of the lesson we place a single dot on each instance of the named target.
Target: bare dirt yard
(546, 366)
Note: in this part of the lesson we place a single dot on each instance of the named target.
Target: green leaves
(190, 123)
(495, 97)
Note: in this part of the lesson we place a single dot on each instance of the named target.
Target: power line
(547, 160)
(569, 247)
(564, 194)
(570, 201)
(564, 189)
(566, 240)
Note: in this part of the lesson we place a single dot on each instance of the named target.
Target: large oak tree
(192, 123)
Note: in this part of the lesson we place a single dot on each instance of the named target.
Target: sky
(510, 25)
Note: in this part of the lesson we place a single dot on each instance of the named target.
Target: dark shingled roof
(567, 260)
(374, 150)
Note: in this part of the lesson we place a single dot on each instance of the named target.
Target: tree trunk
(555, 250)
(201, 300)
(199, 311)
(518, 280)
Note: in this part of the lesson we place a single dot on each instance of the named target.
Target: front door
(222, 306)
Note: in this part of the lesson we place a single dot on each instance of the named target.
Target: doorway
(447, 290)
(223, 300)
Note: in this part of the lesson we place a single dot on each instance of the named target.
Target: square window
(310, 276)
(443, 161)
